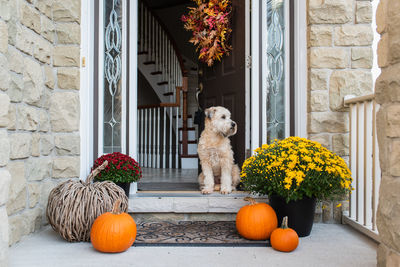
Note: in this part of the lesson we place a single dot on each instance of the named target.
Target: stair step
(188, 128)
(149, 62)
(180, 116)
(156, 72)
(188, 202)
(162, 83)
(189, 142)
(168, 93)
(143, 53)
(189, 156)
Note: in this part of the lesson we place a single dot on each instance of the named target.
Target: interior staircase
(167, 135)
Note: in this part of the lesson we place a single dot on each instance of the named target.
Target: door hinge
(83, 61)
(248, 62)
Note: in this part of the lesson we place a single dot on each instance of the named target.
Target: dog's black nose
(233, 124)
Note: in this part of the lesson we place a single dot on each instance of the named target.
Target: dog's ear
(209, 112)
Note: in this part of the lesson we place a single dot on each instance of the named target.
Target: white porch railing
(364, 164)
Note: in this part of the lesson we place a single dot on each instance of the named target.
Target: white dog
(215, 152)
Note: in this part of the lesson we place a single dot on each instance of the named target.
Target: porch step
(187, 202)
(162, 83)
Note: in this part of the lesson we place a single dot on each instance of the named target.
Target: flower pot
(125, 186)
(300, 213)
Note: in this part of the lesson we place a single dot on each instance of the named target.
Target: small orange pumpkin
(256, 221)
(284, 238)
(113, 231)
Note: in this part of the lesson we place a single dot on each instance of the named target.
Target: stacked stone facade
(39, 108)
(387, 91)
(340, 60)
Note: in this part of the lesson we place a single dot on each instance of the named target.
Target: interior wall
(171, 17)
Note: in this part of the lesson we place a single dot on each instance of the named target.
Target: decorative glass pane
(276, 70)
(112, 75)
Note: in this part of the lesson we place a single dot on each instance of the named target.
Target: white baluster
(360, 156)
(143, 138)
(377, 167)
(368, 164)
(154, 137)
(140, 124)
(158, 138)
(164, 147)
(145, 150)
(177, 138)
(170, 136)
(150, 138)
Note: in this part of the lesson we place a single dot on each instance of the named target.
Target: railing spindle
(177, 138)
(170, 136)
(158, 139)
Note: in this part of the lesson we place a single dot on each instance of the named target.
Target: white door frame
(133, 81)
(86, 88)
(253, 79)
(87, 78)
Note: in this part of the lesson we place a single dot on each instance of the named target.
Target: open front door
(224, 83)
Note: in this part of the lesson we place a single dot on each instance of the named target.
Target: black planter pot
(300, 213)
(125, 187)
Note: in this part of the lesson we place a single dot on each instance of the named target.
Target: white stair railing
(158, 142)
(364, 164)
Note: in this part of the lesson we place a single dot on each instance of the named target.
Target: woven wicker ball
(74, 205)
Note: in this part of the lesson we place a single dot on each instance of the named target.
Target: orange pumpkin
(113, 231)
(284, 239)
(256, 221)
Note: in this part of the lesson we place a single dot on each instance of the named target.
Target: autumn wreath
(209, 22)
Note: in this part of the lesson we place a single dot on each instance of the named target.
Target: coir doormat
(193, 233)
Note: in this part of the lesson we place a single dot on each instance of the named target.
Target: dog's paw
(206, 191)
(226, 190)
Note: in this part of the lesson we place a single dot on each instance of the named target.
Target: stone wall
(39, 107)
(388, 119)
(340, 61)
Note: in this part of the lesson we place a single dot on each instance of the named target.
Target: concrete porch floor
(328, 245)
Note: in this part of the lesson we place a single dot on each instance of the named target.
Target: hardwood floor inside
(168, 180)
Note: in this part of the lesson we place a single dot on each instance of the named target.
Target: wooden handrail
(169, 35)
(177, 102)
